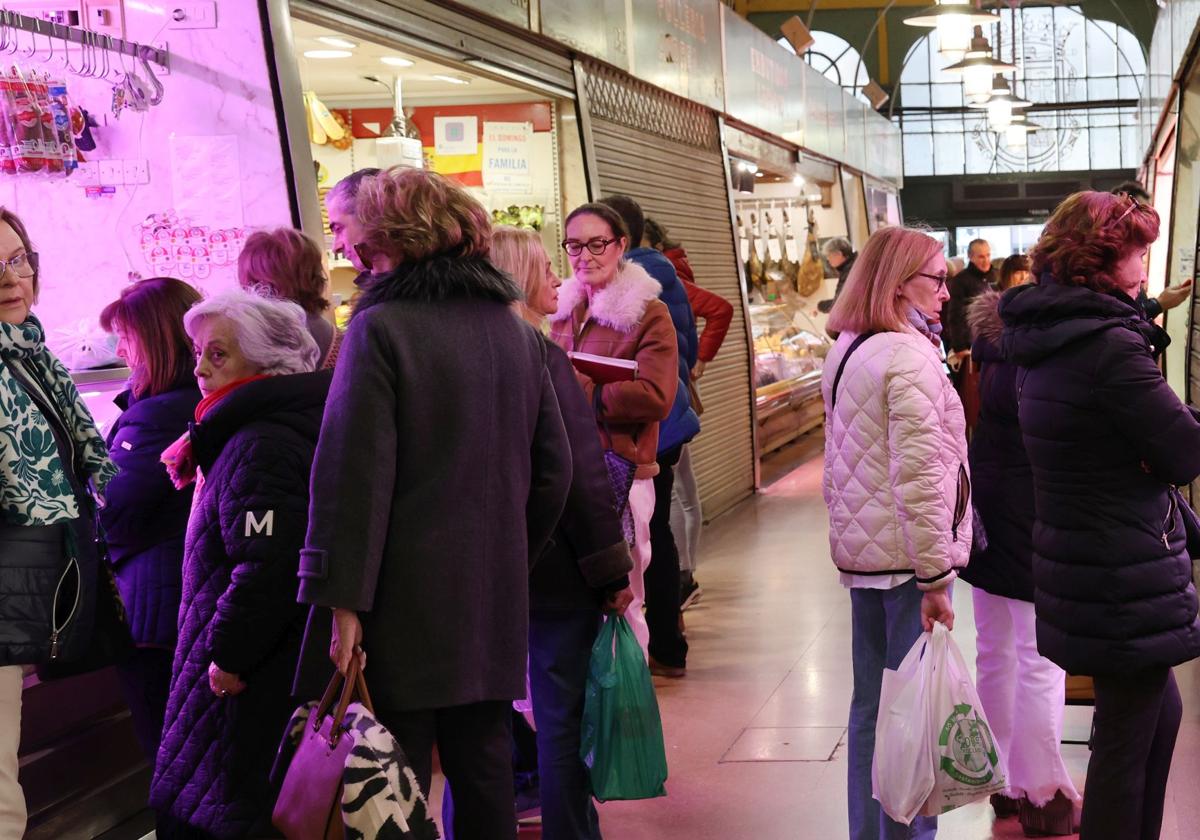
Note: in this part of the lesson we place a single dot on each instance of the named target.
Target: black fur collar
(440, 278)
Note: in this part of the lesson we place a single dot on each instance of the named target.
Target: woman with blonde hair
(1109, 443)
(288, 265)
(896, 480)
(441, 472)
(584, 571)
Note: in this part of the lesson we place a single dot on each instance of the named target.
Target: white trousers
(1022, 694)
(641, 503)
(12, 798)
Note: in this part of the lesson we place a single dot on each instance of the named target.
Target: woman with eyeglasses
(896, 481)
(611, 308)
(1109, 442)
(53, 463)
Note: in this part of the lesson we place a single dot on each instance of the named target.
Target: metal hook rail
(84, 37)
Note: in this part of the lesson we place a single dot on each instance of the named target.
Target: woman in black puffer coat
(240, 627)
(1108, 442)
(145, 517)
(1010, 673)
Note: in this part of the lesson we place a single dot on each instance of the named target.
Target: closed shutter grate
(665, 153)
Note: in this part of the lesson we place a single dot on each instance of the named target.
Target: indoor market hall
(629, 419)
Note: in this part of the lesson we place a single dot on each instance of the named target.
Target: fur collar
(619, 305)
(440, 278)
(983, 316)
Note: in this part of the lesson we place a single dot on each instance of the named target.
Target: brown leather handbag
(310, 802)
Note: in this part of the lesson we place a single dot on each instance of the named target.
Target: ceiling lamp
(1001, 104)
(340, 43)
(396, 61)
(953, 20)
(327, 54)
(1016, 136)
(979, 68)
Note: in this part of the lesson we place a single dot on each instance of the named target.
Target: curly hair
(288, 263)
(1088, 235)
(414, 214)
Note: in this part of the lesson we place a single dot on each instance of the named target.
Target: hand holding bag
(309, 803)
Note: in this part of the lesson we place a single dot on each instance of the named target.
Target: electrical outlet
(106, 17)
(112, 173)
(65, 12)
(136, 172)
(192, 15)
(87, 175)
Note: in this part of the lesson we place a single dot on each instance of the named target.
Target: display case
(788, 358)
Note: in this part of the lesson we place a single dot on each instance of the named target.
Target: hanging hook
(4, 30)
(144, 54)
(37, 27)
(50, 42)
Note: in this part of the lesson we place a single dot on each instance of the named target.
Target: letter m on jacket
(264, 525)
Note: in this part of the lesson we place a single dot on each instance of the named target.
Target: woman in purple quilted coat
(250, 454)
(1108, 441)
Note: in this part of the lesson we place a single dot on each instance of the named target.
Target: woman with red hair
(1108, 442)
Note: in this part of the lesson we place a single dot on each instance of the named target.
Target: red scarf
(180, 463)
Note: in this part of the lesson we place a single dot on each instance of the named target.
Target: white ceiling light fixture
(1001, 105)
(396, 61)
(340, 43)
(325, 54)
(454, 80)
(979, 68)
(1016, 136)
(953, 20)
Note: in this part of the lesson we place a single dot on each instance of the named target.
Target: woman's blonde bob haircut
(414, 214)
(870, 302)
(520, 254)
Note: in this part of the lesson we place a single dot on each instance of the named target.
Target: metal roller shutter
(666, 153)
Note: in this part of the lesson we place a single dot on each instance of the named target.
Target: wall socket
(136, 172)
(192, 15)
(112, 173)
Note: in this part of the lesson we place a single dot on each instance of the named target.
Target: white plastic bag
(903, 769)
(966, 760)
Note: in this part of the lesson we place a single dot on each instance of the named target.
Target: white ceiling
(339, 82)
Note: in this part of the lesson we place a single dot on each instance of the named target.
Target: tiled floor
(755, 733)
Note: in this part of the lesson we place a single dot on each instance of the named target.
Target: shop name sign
(765, 83)
(676, 46)
(507, 157)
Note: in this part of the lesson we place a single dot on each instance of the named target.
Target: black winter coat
(239, 607)
(964, 287)
(145, 517)
(1107, 440)
(1001, 479)
(442, 470)
(587, 555)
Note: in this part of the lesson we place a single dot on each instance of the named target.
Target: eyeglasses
(22, 265)
(940, 278)
(597, 246)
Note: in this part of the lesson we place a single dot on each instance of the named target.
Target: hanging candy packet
(52, 149)
(60, 108)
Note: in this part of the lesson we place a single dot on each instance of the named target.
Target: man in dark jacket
(964, 288)
(839, 253)
(668, 648)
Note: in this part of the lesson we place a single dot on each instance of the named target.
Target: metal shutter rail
(666, 153)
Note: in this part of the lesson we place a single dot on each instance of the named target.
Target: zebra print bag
(344, 775)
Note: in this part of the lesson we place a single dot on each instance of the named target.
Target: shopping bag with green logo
(622, 740)
(966, 761)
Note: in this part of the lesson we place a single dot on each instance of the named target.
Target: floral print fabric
(34, 488)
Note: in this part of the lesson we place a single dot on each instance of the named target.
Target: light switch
(112, 173)
(136, 172)
(87, 175)
(192, 15)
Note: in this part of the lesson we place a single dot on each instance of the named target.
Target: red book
(605, 369)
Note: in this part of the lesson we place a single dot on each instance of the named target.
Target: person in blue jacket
(145, 517)
(668, 647)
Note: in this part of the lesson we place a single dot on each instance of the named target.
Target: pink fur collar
(619, 305)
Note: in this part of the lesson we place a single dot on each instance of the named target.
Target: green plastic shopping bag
(622, 742)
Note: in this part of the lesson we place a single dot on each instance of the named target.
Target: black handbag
(621, 473)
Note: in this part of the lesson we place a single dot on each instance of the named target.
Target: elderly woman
(585, 570)
(290, 266)
(250, 453)
(442, 470)
(1108, 441)
(611, 308)
(144, 517)
(52, 458)
(896, 481)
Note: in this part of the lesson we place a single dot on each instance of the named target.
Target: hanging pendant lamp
(979, 68)
(953, 20)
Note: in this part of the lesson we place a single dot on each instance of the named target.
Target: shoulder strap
(854, 345)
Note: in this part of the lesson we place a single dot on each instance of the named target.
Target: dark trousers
(661, 577)
(560, 648)
(1137, 718)
(475, 746)
(146, 681)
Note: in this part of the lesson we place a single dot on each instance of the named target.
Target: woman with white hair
(250, 453)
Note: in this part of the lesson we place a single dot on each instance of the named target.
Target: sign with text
(598, 28)
(677, 47)
(507, 148)
(764, 82)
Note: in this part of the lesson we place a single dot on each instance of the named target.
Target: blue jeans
(560, 649)
(885, 625)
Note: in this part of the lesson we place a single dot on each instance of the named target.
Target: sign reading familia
(507, 157)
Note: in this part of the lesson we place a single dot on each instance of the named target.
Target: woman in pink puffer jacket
(896, 480)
